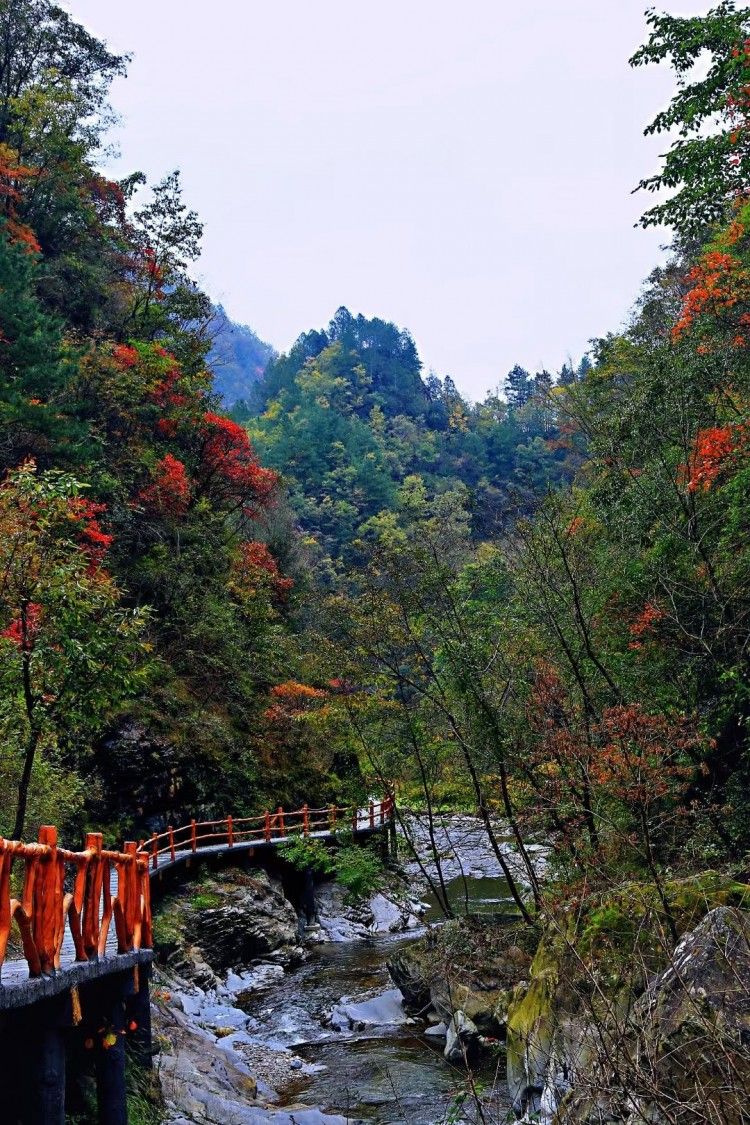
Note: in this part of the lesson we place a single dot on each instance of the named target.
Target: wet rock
(384, 1010)
(409, 973)
(387, 917)
(487, 1008)
(461, 1040)
(339, 919)
(436, 1031)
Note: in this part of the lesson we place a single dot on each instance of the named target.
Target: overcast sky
(462, 168)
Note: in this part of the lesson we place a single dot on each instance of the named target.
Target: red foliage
(229, 470)
(640, 759)
(644, 623)
(166, 427)
(165, 393)
(292, 699)
(716, 284)
(255, 560)
(125, 356)
(94, 542)
(169, 492)
(12, 176)
(24, 628)
(713, 447)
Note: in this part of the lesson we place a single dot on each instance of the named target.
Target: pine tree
(518, 387)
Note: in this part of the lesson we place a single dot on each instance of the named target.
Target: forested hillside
(537, 605)
(348, 416)
(142, 615)
(238, 359)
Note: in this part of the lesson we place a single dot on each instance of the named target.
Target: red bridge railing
(64, 890)
(268, 827)
(45, 907)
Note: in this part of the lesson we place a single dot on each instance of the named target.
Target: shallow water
(372, 1071)
(486, 895)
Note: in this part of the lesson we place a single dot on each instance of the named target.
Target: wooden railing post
(154, 851)
(171, 843)
(92, 895)
(267, 826)
(193, 840)
(332, 818)
(230, 832)
(305, 820)
(47, 905)
(355, 819)
(372, 814)
(280, 816)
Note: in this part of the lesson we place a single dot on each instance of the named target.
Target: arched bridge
(76, 947)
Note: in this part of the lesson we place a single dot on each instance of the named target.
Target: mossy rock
(632, 922)
(531, 1021)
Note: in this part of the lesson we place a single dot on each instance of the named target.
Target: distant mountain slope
(347, 418)
(238, 358)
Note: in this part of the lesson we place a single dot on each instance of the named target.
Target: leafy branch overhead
(707, 165)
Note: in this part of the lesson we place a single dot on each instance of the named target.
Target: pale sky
(463, 169)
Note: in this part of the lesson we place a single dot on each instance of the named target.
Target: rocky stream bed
(373, 1012)
(261, 1017)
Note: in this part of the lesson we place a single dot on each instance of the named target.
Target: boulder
(677, 1039)
(409, 973)
(486, 1007)
(461, 1040)
(693, 1025)
(228, 921)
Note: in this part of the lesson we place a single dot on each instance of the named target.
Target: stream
(340, 1012)
(355, 1052)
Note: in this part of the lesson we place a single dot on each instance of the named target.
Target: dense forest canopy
(535, 605)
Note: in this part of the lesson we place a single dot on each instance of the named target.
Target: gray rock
(228, 922)
(408, 973)
(385, 1010)
(461, 1039)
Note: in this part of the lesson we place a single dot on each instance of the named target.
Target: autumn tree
(70, 648)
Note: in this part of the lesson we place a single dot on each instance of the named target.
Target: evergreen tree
(518, 388)
(35, 420)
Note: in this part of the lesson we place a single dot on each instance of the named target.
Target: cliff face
(227, 921)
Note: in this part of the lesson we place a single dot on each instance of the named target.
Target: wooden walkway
(83, 915)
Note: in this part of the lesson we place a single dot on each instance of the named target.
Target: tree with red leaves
(228, 471)
(169, 492)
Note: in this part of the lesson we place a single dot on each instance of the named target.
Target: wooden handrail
(267, 827)
(46, 907)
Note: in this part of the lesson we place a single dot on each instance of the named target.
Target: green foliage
(303, 853)
(35, 407)
(205, 900)
(346, 418)
(359, 870)
(708, 164)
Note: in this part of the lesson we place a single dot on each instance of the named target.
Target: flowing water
(340, 1013)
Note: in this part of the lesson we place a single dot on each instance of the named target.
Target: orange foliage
(12, 176)
(713, 448)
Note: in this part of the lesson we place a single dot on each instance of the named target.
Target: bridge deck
(225, 850)
(19, 989)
